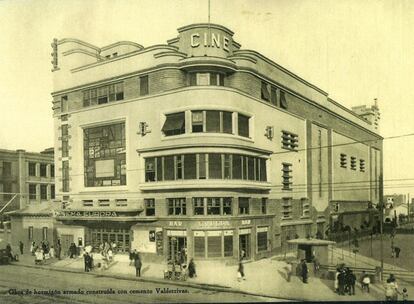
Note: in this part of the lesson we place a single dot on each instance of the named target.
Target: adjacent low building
(200, 144)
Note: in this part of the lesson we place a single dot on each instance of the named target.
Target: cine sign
(210, 40)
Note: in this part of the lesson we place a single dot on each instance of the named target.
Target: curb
(161, 281)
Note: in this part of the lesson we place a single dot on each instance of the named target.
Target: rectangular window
(244, 205)
(203, 79)
(64, 104)
(286, 207)
(304, 206)
(273, 96)
(102, 95)
(202, 165)
(243, 125)
(32, 191)
(197, 121)
(121, 202)
(43, 170)
(190, 166)
(342, 159)
(143, 85)
(43, 192)
(353, 163)
(105, 155)
(44, 233)
(174, 124)
(159, 168)
(265, 91)
(179, 167)
(237, 166)
(64, 130)
(87, 203)
(150, 169)
(65, 176)
(213, 121)
(289, 141)
(228, 244)
(169, 168)
(362, 165)
(177, 206)
(287, 176)
(283, 102)
(264, 205)
(149, 206)
(199, 246)
(263, 171)
(214, 166)
(227, 166)
(250, 168)
(103, 203)
(30, 230)
(214, 244)
(227, 122)
(227, 204)
(65, 147)
(213, 206)
(52, 170)
(86, 98)
(32, 169)
(7, 168)
(198, 205)
(52, 192)
(262, 241)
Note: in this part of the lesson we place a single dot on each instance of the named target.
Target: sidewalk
(265, 277)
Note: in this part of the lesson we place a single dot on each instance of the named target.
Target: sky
(354, 50)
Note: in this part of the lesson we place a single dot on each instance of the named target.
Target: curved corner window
(206, 78)
(243, 125)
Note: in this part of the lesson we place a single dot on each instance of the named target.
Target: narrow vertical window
(143, 85)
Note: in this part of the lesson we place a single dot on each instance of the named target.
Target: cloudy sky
(354, 50)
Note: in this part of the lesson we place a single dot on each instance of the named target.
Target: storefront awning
(174, 122)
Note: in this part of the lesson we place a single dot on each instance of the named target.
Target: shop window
(286, 176)
(149, 206)
(52, 192)
(105, 155)
(214, 244)
(264, 205)
(283, 102)
(43, 170)
(342, 160)
(265, 91)
(228, 244)
(202, 165)
(289, 141)
(174, 124)
(197, 121)
(65, 176)
(32, 169)
(262, 240)
(121, 202)
(190, 165)
(52, 170)
(103, 203)
(353, 163)
(169, 168)
(30, 231)
(362, 165)
(243, 205)
(243, 125)
(143, 85)
(198, 205)
(199, 246)
(177, 206)
(43, 192)
(214, 166)
(237, 166)
(87, 203)
(213, 121)
(44, 233)
(227, 204)
(213, 206)
(7, 168)
(32, 191)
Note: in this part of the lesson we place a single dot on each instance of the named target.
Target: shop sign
(88, 214)
(204, 224)
(175, 223)
(246, 222)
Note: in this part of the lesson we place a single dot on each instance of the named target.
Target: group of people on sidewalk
(345, 281)
(391, 290)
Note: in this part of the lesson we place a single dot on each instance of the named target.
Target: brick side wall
(244, 82)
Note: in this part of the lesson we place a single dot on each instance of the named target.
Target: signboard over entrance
(88, 214)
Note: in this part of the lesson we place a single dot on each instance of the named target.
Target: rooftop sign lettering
(214, 40)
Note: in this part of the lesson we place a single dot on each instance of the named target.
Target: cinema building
(203, 145)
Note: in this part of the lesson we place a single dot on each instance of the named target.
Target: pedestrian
(52, 252)
(365, 281)
(72, 250)
(289, 269)
(336, 283)
(86, 261)
(38, 256)
(192, 269)
(110, 255)
(33, 247)
(21, 247)
(391, 290)
(58, 249)
(138, 265)
(240, 272)
(304, 272)
(341, 282)
(397, 251)
(316, 265)
(351, 278)
(405, 294)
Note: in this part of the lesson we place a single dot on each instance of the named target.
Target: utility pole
(381, 204)
(408, 207)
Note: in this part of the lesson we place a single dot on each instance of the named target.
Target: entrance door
(176, 246)
(66, 240)
(244, 246)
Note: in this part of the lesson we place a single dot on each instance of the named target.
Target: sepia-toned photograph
(206, 151)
